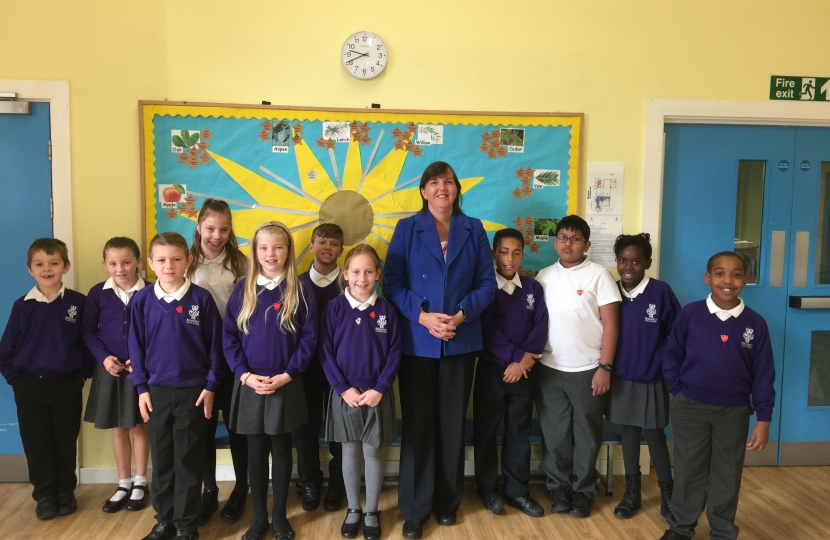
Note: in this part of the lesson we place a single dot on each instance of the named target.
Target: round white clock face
(364, 55)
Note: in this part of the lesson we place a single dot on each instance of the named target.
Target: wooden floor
(776, 503)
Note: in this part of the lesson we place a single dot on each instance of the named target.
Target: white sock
(138, 493)
(122, 483)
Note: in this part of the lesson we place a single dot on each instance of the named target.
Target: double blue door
(763, 192)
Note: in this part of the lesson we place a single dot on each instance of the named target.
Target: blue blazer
(417, 276)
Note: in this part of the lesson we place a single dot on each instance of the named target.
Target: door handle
(776, 258)
(802, 252)
(810, 302)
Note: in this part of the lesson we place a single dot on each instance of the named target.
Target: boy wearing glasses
(575, 369)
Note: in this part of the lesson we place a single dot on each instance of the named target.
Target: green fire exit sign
(799, 88)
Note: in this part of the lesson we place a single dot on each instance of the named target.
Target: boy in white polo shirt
(575, 369)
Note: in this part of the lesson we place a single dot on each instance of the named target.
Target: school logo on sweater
(71, 314)
(381, 324)
(651, 312)
(193, 315)
(531, 302)
(749, 335)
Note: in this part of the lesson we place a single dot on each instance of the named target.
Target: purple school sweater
(44, 339)
(322, 295)
(514, 324)
(723, 363)
(360, 349)
(266, 349)
(106, 324)
(176, 344)
(645, 324)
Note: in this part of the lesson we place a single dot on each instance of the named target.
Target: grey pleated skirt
(112, 401)
(273, 414)
(638, 404)
(375, 426)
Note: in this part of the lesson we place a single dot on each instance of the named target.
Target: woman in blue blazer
(439, 276)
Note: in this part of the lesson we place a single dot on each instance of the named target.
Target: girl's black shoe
(111, 507)
(134, 505)
(371, 533)
(350, 530)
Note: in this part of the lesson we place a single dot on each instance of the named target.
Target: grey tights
(352, 472)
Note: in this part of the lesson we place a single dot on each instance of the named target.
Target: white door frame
(56, 93)
(699, 111)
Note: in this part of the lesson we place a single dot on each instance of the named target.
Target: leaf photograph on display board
(354, 167)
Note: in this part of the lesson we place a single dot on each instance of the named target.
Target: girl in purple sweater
(113, 400)
(360, 350)
(270, 334)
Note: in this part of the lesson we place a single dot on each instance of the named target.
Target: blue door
(26, 179)
(749, 189)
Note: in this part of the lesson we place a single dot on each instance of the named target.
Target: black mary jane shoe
(284, 535)
(111, 507)
(256, 533)
(134, 505)
(350, 530)
(371, 533)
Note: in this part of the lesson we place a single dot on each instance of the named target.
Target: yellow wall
(603, 58)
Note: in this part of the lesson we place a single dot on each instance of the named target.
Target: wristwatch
(607, 367)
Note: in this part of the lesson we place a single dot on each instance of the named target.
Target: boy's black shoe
(581, 505)
(233, 509)
(671, 535)
(632, 499)
(446, 519)
(184, 535)
(311, 497)
(46, 508)
(527, 505)
(491, 499)
(67, 504)
(666, 490)
(162, 532)
(334, 499)
(209, 504)
(412, 528)
(560, 500)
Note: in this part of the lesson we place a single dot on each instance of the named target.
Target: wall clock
(364, 55)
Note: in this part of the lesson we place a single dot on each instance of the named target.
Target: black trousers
(709, 449)
(307, 437)
(238, 443)
(279, 448)
(493, 401)
(49, 414)
(434, 395)
(177, 440)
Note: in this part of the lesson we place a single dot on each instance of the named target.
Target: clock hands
(359, 55)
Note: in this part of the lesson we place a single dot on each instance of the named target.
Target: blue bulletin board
(359, 168)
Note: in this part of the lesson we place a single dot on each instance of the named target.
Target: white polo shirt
(219, 282)
(573, 297)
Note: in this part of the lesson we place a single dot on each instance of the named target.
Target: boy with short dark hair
(575, 371)
(718, 365)
(326, 246)
(44, 359)
(515, 330)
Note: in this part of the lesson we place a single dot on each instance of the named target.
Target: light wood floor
(776, 503)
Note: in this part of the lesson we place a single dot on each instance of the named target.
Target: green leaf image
(179, 188)
(185, 138)
(432, 132)
(178, 141)
(194, 138)
(544, 226)
(548, 178)
(512, 137)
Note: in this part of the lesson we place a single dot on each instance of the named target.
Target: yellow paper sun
(365, 201)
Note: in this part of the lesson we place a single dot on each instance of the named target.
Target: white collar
(38, 296)
(321, 280)
(110, 284)
(178, 295)
(636, 290)
(269, 284)
(724, 314)
(502, 282)
(218, 260)
(362, 306)
(579, 266)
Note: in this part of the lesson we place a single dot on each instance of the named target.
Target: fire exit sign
(799, 88)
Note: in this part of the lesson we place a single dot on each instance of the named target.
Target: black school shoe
(209, 503)
(671, 535)
(527, 505)
(491, 499)
(256, 531)
(560, 500)
(412, 528)
(371, 533)
(350, 530)
(67, 504)
(233, 509)
(46, 508)
(134, 505)
(334, 499)
(311, 497)
(184, 535)
(581, 505)
(162, 532)
(111, 507)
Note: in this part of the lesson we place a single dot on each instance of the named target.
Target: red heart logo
(277, 305)
(372, 314)
(724, 338)
(180, 309)
(579, 292)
